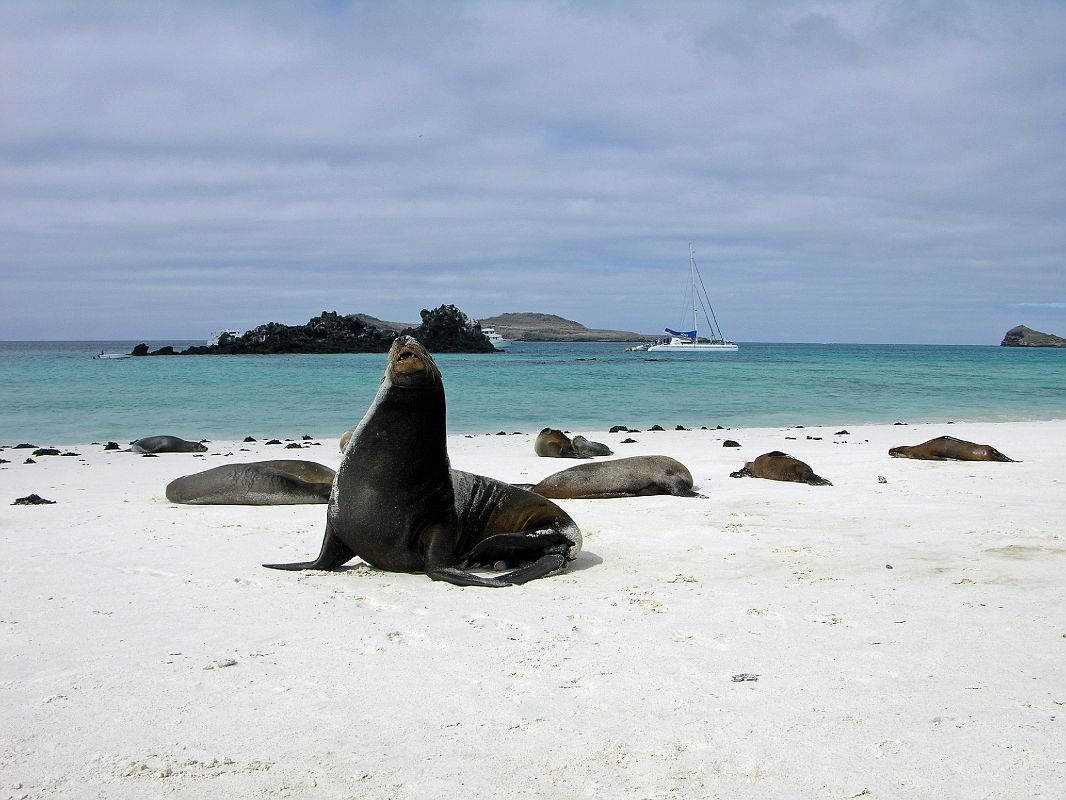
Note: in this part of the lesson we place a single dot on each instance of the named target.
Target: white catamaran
(689, 341)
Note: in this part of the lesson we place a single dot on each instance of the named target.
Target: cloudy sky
(847, 172)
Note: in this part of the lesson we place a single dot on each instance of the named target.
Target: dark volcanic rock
(443, 330)
(1021, 336)
(446, 329)
(33, 500)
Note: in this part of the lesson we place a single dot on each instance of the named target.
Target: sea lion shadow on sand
(398, 505)
(586, 559)
(948, 448)
(778, 466)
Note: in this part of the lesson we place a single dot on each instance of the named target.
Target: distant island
(1021, 336)
(529, 326)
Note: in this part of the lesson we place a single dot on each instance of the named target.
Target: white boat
(497, 341)
(102, 354)
(690, 341)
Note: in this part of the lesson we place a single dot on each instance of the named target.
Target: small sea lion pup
(166, 444)
(638, 476)
(778, 466)
(948, 448)
(259, 483)
(553, 443)
(398, 505)
(587, 449)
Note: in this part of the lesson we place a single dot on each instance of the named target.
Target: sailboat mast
(692, 279)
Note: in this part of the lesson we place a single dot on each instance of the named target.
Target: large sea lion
(258, 483)
(587, 449)
(166, 444)
(778, 466)
(947, 448)
(397, 504)
(552, 443)
(637, 476)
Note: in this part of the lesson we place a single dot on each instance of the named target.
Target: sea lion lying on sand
(397, 504)
(166, 444)
(948, 448)
(587, 449)
(778, 466)
(638, 476)
(259, 483)
(552, 443)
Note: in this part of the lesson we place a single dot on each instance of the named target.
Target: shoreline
(905, 638)
(508, 429)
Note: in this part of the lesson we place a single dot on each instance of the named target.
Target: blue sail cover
(689, 334)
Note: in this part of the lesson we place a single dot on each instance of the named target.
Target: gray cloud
(847, 172)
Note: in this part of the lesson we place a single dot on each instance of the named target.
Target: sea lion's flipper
(438, 541)
(515, 547)
(462, 578)
(741, 473)
(817, 480)
(998, 456)
(545, 565)
(334, 553)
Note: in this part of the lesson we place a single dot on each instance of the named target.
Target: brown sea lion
(258, 483)
(778, 466)
(637, 476)
(397, 504)
(553, 443)
(948, 448)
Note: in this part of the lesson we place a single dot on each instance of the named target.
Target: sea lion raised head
(395, 503)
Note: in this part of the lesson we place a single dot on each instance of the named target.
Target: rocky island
(1021, 336)
(443, 330)
(529, 326)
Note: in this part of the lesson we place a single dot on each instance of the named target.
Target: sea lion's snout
(408, 359)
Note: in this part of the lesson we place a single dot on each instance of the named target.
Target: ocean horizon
(55, 392)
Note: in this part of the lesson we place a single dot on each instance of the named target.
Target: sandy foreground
(908, 638)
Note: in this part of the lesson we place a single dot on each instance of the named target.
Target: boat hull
(694, 348)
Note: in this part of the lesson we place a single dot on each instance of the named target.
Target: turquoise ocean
(55, 392)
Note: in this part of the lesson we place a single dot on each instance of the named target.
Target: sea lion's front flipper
(334, 553)
(545, 565)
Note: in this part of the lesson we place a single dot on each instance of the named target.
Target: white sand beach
(907, 638)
